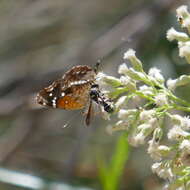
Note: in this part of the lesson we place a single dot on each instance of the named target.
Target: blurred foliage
(110, 174)
(39, 41)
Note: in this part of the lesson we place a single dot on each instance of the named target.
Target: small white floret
(182, 11)
(129, 54)
(137, 139)
(123, 69)
(184, 49)
(147, 114)
(161, 99)
(172, 34)
(156, 73)
(177, 133)
(185, 146)
(121, 102)
(171, 84)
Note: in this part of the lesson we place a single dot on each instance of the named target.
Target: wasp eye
(93, 94)
(94, 86)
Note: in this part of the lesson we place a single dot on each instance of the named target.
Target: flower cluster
(144, 102)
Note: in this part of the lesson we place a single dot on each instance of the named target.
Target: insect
(77, 89)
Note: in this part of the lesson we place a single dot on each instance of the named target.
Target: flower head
(177, 133)
(147, 90)
(185, 146)
(123, 69)
(161, 99)
(182, 11)
(184, 49)
(162, 171)
(156, 74)
(124, 114)
(121, 102)
(146, 115)
(103, 79)
(136, 63)
(156, 151)
(171, 84)
(130, 54)
(172, 34)
(137, 140)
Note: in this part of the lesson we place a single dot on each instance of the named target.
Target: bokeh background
(39, 41)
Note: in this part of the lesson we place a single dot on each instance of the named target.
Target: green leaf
(110, 174)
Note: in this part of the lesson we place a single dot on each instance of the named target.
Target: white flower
(166, 173)
(166, 187)
(123, 69)
(163, 150)
(136, 63)
(147, 128)
(153, 122)
(136, 75)
(172, 34)
(161, 99)
(161, 171)
(137, 140)
(181, 188)
(185, 124)
(130, 54)
(184, 49)
(100, 78)
(120, 125)
(103, 79)
(147, 114)
(176, 119)
(176, 133)
(156, 151)
(182, 11)
(156, 74)
(124, 114)
(144, 126)
(153, 150)
(185, 146)
(185, 154)
(171, 84)
(125, 80)
(186, 23)
(146, 90)
(156, 167)
(121, 102)
(182, 80)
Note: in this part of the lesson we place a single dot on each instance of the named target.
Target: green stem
(181, 101)
(143, 95)
(177, 107)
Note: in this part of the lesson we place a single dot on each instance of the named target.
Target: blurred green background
(39, 41)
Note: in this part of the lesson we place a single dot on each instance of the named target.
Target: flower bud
(136, 63)
(172, 34)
